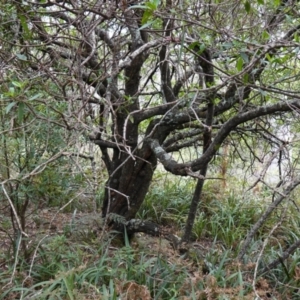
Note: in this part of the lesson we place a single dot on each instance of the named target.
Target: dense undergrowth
(79, 262)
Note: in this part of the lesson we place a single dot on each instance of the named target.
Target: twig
(14, 210)
(260, 255)
(284, 256)
(194, 174)
(15, 264)
(266, 214)
(31, 265)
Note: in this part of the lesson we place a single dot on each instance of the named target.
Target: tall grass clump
(65, 269)
(168, 201)
(228, 219)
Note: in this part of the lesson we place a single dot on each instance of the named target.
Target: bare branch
(287, 191)
(180, 168)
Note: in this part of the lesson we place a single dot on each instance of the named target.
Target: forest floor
(86, 228)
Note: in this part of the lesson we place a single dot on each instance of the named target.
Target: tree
(145, 80)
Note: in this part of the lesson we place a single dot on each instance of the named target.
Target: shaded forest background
(149, 150)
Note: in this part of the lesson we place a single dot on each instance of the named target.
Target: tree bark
(126, 189)
(205, 62)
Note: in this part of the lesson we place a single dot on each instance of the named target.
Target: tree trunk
(128, 186)
(204, 61)
(131, 169)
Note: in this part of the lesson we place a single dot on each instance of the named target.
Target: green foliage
(285, 274)
(227, 220)
(59, 272)
(239, 64)
(34, 169)
(149, 9)
(247, 6)
(45, 74)
(168, 202)
(75, 266)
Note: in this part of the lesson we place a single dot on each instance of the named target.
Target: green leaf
(264, 93)
(21, 109)
(21, 56)
(269, 57)
(11, 92)
(156, 3)
(261, 2)
(265, 35)
(35, 97)
(244, 56)
(17, 84)
(69, 283)
(9, 107)
(227, 45)
(246, 78)
(193, 45)
(196, 46)
(148, 24)
(239, 64)
(277, 2)
(202, 48)
(27, 33)
(247, 6)
(146, 16)
(151, 6)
